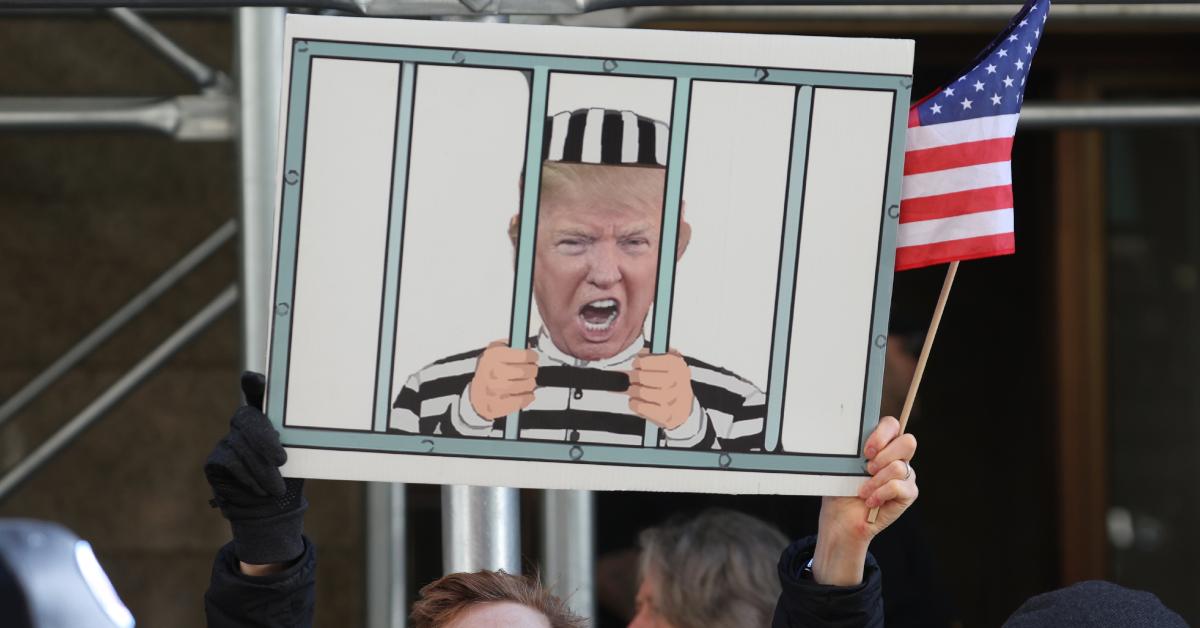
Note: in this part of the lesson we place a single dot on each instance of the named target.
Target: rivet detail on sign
(761, 74)
(881, 341)
(610, 65)
(292, 177)
(576, 452)
(724, 461)
(428, 443)
(458, 57)
(893, 211)
(282, 309)
(302, 46)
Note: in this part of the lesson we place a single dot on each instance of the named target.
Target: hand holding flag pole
(957, 200)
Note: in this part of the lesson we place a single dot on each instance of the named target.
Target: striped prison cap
(605, 136)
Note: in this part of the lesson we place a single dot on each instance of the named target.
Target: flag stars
(996, 99)
(1002, 53)
(1020, 64)
(1028, 49)
(1008, 82)
(949, 91)
(991, 69)
(936, 109)
(1036, 33)
(1024, 23)
(1012, 37)
(979, 86)
(966, 103)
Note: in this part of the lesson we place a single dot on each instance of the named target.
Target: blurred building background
(1057, 420)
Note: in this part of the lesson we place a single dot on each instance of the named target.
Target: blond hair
(715, 570)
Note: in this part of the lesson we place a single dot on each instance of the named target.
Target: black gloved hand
(265, 510)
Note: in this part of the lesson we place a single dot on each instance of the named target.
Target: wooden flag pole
(924, 357)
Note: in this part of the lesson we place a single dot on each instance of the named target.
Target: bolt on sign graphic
(583, 258)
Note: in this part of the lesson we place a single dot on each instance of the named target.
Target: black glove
(265, 510)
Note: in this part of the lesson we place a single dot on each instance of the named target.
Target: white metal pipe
(387, 606)
(207, 117)
(153, 114)
(1064, 115)
(114, 323)
(200, 73)
(837, 9)
(259, 75)
(634, 16)
(481, 529)
(569, 548)
(115, 393)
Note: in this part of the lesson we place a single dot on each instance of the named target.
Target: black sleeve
(282, 600)
(804, 603)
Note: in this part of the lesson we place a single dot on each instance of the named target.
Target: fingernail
(870, 452)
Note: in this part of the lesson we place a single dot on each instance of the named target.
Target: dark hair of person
(449, 596)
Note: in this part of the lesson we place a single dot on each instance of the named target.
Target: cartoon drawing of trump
(588, 376)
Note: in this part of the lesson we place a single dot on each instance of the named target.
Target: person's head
(490, 598)
(599, 220)
(716, 570)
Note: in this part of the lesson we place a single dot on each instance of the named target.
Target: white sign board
(562, 257)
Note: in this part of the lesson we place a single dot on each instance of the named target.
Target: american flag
(957, 200)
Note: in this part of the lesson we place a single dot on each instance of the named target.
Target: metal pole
(115, 393)
(1065, 115)
(481, 526)
(569, 548)
(259, 68)
(927, 13)
(386, 539)
(188, 117)
(481, 529)
(194, 68)
(105, 330)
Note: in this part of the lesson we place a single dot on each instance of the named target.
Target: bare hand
(504, 381)
(660, 388)
(844, 532)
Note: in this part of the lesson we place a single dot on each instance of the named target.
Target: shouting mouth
(597, 317)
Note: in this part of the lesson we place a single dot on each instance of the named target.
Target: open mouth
(599, 315)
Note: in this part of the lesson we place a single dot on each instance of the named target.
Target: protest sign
(583, 258)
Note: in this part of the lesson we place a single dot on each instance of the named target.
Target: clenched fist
(660, 388)
(504, 380)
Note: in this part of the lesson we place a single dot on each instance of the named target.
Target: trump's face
(597, 255)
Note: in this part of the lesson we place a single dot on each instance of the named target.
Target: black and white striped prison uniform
(577, 401)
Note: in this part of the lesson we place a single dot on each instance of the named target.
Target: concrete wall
(86, 221)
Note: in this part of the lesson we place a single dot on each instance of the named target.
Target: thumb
(253, 386)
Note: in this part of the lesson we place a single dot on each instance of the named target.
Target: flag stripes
(962, 131)
(968, 248)
(956, 228)
(944, 157)
(956, 204)
(954, 180)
